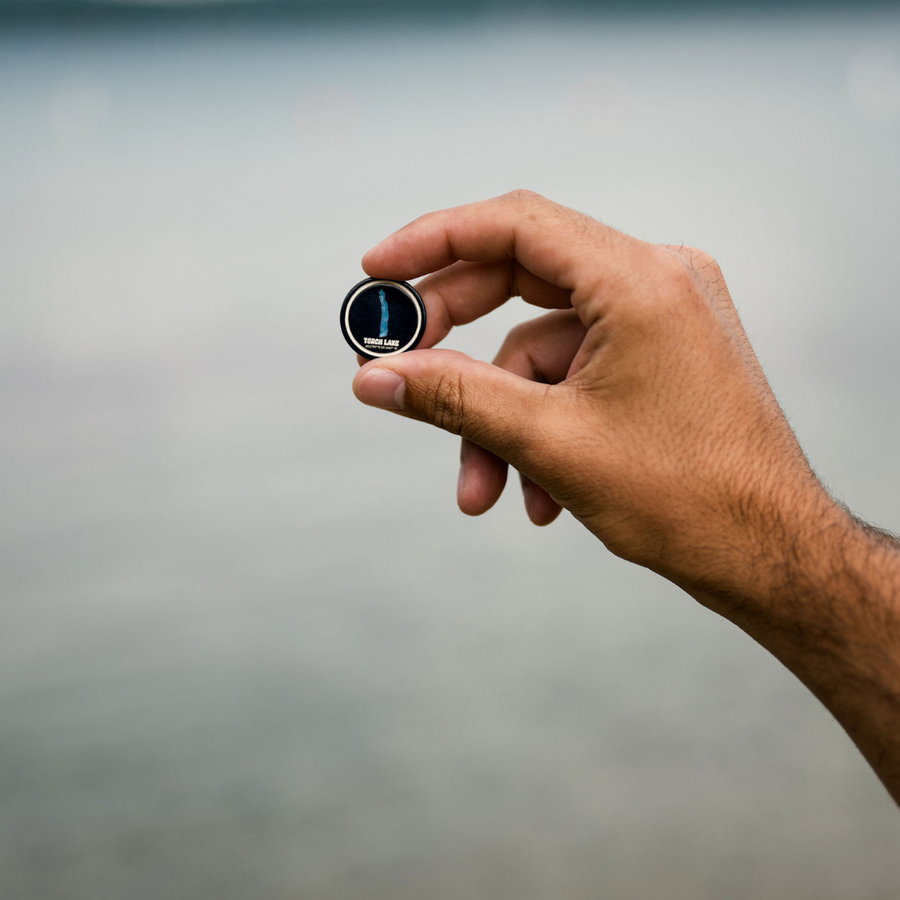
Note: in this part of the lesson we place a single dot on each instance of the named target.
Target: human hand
(637, 403)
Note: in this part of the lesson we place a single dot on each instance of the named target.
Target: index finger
(564, 247)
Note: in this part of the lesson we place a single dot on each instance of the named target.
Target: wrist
(815, 570)
(826, 602)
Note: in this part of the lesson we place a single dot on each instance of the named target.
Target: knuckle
(701, 266)
(701, 261)
(523, 195)
(677, 280)
(674, 267)
(670, 291)
(708, 270)
(443, 403)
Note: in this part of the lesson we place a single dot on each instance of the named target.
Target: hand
(637, 403)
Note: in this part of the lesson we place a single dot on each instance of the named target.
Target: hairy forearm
(827, 604)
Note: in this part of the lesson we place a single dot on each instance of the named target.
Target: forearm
(828, 606)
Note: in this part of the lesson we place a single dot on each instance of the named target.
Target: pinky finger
(542, 509)
(482, 477)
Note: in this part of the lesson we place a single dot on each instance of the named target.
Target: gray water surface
(249, 647)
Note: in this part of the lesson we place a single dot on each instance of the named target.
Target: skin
(638, 404)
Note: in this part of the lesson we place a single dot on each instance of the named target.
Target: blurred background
(248, 645)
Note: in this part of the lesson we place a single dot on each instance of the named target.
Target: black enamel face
(381, 318)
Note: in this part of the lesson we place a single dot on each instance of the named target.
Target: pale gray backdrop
(248, 645)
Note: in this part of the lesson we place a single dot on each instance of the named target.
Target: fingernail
(383, 388)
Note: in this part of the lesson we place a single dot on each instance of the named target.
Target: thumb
(481, 402)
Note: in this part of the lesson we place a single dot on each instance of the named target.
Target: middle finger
(466, 291)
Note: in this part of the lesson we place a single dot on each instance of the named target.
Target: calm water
(249, 648)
